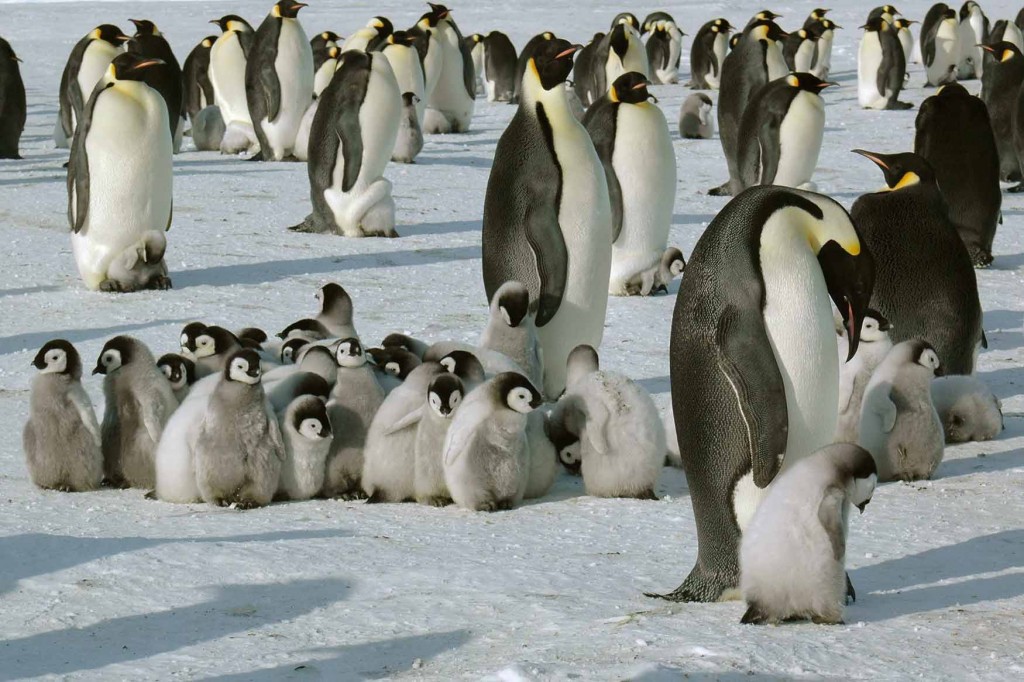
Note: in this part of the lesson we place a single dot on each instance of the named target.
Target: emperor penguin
(306, 433)
(620, 51)
(139, 401)
(926, 284)
(486, 450)
(444, 395)
(664, 46)
(527, 54)
(966, 164)
(855, 373)
(228, 58)
(279, 80)
(1000, 85)
(325, 71)
(448, 69)
(369, 37)
(881, 67)
(799, 49)
(793, 555)
(707, 54)
(86, 65)
(655, 279)
(404, 57)
(61, 437)
(967, 408)
(885, 12)
(781, 133)
(972, 31)
(823, 32)
(351, 141)
(695, 122)
(166, 77)
(198, 93)
(905, 36)
(180, 373)
(499, 67)
(336, 310)
(633, 142)
(898, 422)
(119, 175)
(815, 16)
(208, 129)
(13, 109)
(475, 45)
(239, 448)
(940, 44)
(547, 215)
(1004, 30)
(208, 347)
(320, 45)
(756, 60)
(755, 305)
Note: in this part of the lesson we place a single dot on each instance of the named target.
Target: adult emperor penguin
(664, 46)
(87, 63)
(448, 69)
(400, 50)
(119, 175)
(499, 67)
(475, 45)
(547, 216)
(279, 80)
(781, 133)
(320, 45)
(228, 58)
(906, 38)
(972, 32)
(619, 52)
(351, 141)
(799, 49)
(940, 44)
(369, 37)
(881, 66)
(1008, 31)
(322, 78)
(149, 43)
(926, 284)
(1000, 85)
(12, 102)
(755, 306)
(635, 147)
(707, 54)
(966, 164)
(198, 88)
(823, 32)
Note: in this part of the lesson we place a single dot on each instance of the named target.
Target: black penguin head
(673, 261)
(857, 468)
(567, 445)
(950, 13)
(553, 62)
(58, 357)
(189, 333)
(402, 38)
(923, 353)
(306, 325)
(145, 27)
(350, 353)
(900, 24)
(901, 170)
(515, 392)
(965, 9)
(329, 37)
(952, 90)
(312, 384)
(436, 14)
(808, 82)
(334, 300)
(232, 22)
(400, 341)
(117, 352)
(397, 362)
(766, 30)
(383, 25)
(409, 99)
(819, 13)
(207, 42)
(1003, 51)
(631, 88)
(287, 9)
(625, 19)
(132, 67)
(824, 25)
(109, 33)
(886, 12)
(310, 419)
(464, 365)
(876, 25)
(445, 394)
(253, 335)
(213, 340)
(512, 302)
(765, 15)
(619, 40)
(735, 40)
(292, 349)
(721, 25)
(179, 370)
(849, 278)
(243, 367)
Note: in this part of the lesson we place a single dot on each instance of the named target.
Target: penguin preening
(12, 102)
(86, 65)
(755, 306)
(881, 66)
(707, 54)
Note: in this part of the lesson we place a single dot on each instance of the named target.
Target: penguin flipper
(552, 261)
(601, 122)
(886, 410)
(78, 171)
(271, 86)
(928, 50)
(409, 420)
(830, 515)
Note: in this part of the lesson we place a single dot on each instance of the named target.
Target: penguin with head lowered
(707, 54)
(664, 47)
(925, 284)
(12, 102)
(228, 58)
(1000, 85)
(754, 366)
(547, 216)
(954, 134)
(940, 44)
(881, 66)
(166, 78)
(86, 64)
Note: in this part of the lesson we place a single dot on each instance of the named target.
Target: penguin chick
(405, 342)
(307, 329)
(300, 384)
(180, 372)
(306, 430)
(252, 337)
(392, 365)
(695, 122)
(543, 466)
(968, 410)
(61, 438)
(898, 422)
(492, 362)
(855, 373)
(208, 129)
(466, 366)
(512, 330)
(140, 266)
(290, 350)
(443, 397)
(239, 448)
(793, 553)
(208, 347)
(656, 278)
(409, 142)
(486, 452)
(336, 311)
(314, 359)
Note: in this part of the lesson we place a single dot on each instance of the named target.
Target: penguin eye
(168, 372)
(435, 401)
(455, 399)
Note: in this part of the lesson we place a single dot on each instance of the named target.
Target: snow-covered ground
(108, 585)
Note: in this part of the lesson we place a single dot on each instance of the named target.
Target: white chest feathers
(800, 138)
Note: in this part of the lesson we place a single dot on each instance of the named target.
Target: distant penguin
(967, 408)
(86, 65)
(325, 72)
(351, 141)
(180, 373)
(208, 347)
(815, 16)
(198, 88)
(707, 54)
(370, 36)
(855, 372)
(61, 438)
(695, 122)
(499, 67)
(449, 75)
(547, 216)
(756, 303)
(799, 49)
(512, 330)
(444, 395)
(1000, 85)
(899, 425)
(409, 141)
(404, 57)
(664, 47)
(619, 51)
(208, 129)
(793, 556)
(906, 38)
(486, 450)
(954, 134)
(781, 133)
(306, 433)
(165, 77)
(12, 102)
(475, 46)
(884, 12)
(228, 58)
(528, 52)
(881, 67)
(925, 283)
(940, 44)
(320, 45)
(119, 174)
(1004, 30)
(279, 80)
(635, 147)
(138, 403)
(823, 33)
(972, 31)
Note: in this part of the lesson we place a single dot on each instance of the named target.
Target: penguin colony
(813, 334)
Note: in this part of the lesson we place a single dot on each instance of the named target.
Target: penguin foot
(246, 504)
(899, 106)
(1016, 189)
(112, 286)
(981, 259)
(646, 495)
(116, 482)
(724, 190)
(700, 586)
(351, 496)
(851, 594)
(307, 225)
(258, 156)
(151, 495)
(376, 498)
(437, 501)
(160, 283)
(825, 620)
(755, 616)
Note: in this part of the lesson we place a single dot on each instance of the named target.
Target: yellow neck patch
(275, 12)
(1007, 55)
(907, 180)
(613, 95)
(793, 81)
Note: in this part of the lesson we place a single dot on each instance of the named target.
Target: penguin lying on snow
(967, 408)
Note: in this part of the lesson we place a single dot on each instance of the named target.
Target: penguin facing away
(499, 67)
(1000, 85)
(86, 65)
(13, 109)
(409, 140)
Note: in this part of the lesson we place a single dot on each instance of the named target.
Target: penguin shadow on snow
(1004, 329)
(234, 609)
(37, 180)
(449, 227)
(888, 589)
(1001, 460)
(25, 291)
(33, 340)
(448, 160)
(1007, 261)
(368, 660)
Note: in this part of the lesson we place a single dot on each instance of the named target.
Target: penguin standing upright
(198, 90)
(707, 54)
(228, 58)
(86, 64)
(369, 37)
(475, 46)
(279, 80)
(940, 44)
(527, 54)
(450, 79)
(954, 135)
(635, 147)
(881, 66)
(119, 175)
(400, 50)
(1000, 85)
(499, 67)
(755, 306)
(972, 32)
(799, 49)
(620, 51)
(664, 46)
(547, 216)
(166, 77)
(905, 37)
(320, 45)
(1008, 31)
(823, 32)
(12, 102)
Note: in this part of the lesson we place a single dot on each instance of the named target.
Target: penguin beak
(882, 161)
(862, 505)
(148, 63)
(99, 369)
(828, 84)
(849, 279)
(569, 52)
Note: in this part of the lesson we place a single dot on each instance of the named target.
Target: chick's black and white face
(244, 371)
(862, 490)
(53, 361)
(205, 346)
(929, 359)
(350, 354)
(174, 374)
(111, 361)
(444, 406)
(520, 399)
(570, 456)
(394, 368)
(312, 428)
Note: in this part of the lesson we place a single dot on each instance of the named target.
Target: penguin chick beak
(849, 279)
(99, 369)
(862, 505)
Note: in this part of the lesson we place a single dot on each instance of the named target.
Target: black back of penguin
(165, 78)
(12, 102)
(1000, 84)
(500, 65)
(196, 77)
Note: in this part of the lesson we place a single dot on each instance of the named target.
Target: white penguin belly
(777, 67)
(227, 75)
(804, 57)
(1012, 34)
(645, 165)
(721, 48)
(405, 63)
(869, 60)
(95, 61)
(823, 61)
(800, 138)
(130, 186)
(449, 105)
(907, 43)
(324, 75)
(947, 52)
(294, 66)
